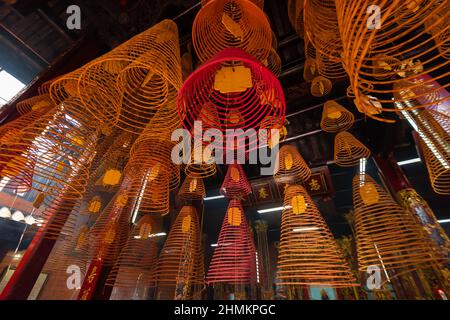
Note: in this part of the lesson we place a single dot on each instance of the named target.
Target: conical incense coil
(270, 127)
(273, 63)
(235, 184)
(335, 117)
(109, 234)
(434, 132)
(153, 79)
(309, 255)
(65, 86)
(146, 69)
(238, 91)
(259, 3)
(440, 32)
(200, 169)
(295, 12)
(40, 102)
(321, 28)
(136, 264)
(387, 236)
(65, 142)
(348, 150)
(222, 24)
(180, 270)
(291, 164)
(321, 86)
(149, 151)
(192, 189)
(400, 35)
(234, 259)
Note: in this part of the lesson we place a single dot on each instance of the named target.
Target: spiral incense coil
(110, 232)
(235, 185)
(234, 259)
(291, 164)
(398, 40)
(128, 84)
(259, 3)
(321, 86)
(65, 142)
(295, 12)
(180, 271)
(200, 167)
(192, 189)
(222, 24)
(238, 91)
(386, 234)
(335, 117)
(153, 79)
(321, 28)
(44, 89)
(309, 255)
(35, 103)
(348, 150)
(65, 86)
(136, 264)
(310, 71)
(440, 32)
(434, 132)
(273, 62)
(269, 125)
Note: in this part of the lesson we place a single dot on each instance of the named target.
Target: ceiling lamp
(291, 165)
(225, 24)
(308, 254)
(180, 269)
(238, 91)
(387, 235)
(412, 63)
(348, 150)
(235, 184)
(5, 213)
(234, 258)
(335, 117)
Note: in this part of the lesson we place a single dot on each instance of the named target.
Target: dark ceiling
(33, 36)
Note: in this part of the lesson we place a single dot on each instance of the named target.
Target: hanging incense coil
(335, 117)
(269, 125)
(136, 264)
(321, 28)
(235, 185)
(309, 255)
(222, 24)
(192, 189)
(291, 165)
(153, 79)
(127, 85)
(35, 103)
(238, 91)
(152, 174)
(434, 132)
(310, 71)
(65, 142)
(65, 86)
(295, 12)
(402, 40)
(386, 235)
(200, 167)
(259, 3)
(234, 259)
(440, 32)
(273, 62)
(110, 232)
(348, 150)
(180, 271)
(321, 86)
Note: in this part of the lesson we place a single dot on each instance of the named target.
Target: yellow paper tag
(232, 26)
(234, 173)
(186, 225)
(234, 216)
(369, 193)
(233, 79)
(298, 204)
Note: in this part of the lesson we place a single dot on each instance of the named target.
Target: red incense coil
(235, 184)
